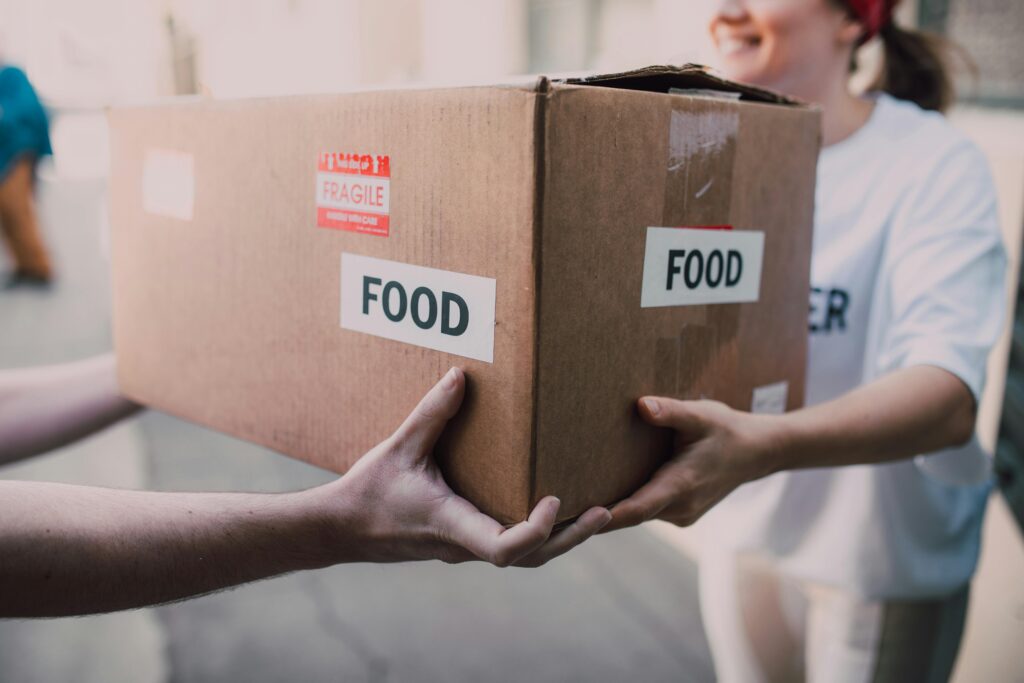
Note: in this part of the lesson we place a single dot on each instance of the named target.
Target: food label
(696, 266)
(428, 307)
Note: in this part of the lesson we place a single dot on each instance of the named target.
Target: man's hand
(716, 449)
(80, 550)
(394, 504)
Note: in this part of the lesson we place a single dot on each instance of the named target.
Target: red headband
(874, 14)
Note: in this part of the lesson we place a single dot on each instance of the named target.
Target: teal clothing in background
(24, 128)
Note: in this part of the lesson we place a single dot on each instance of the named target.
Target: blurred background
(625, 605)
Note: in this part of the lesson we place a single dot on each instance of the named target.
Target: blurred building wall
(88, 53)
(111, 51)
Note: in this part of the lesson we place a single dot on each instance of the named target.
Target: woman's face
(794, 46)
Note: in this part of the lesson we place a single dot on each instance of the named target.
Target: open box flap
(686, 77)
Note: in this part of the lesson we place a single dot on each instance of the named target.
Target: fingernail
(451, 378)
(653, 407)
(604, 521)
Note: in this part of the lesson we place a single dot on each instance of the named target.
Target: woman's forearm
(916, 410)
(45, 408)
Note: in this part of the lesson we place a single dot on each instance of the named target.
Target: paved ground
(622, 607)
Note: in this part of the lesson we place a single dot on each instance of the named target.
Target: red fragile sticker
(353, 192)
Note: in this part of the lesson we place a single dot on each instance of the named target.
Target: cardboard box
(298, 271)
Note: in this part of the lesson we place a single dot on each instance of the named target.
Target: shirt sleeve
(946, 267)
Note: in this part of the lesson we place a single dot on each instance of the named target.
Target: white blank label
(770, 399)
(168, 184)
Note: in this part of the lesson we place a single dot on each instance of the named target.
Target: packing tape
(701, 157)
(698, 193)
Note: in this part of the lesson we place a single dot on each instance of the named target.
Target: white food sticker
(428, 307)
(770, 399)
(693, 267)
(168, 184)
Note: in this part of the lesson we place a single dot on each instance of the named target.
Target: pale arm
(915, 410)
(48, 407)
(942, 308)
(76, 550)
(911, 411)
(68, 550)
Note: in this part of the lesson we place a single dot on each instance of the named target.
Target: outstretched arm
(914, 410)
(68, 550)
(48, 407)
(76, 550)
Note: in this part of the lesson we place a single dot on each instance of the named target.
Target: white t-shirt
(908, 269)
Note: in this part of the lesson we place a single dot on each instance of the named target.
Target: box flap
(686, 77)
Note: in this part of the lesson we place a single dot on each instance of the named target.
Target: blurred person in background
(71, 550)
(24, 138)
(839, 553)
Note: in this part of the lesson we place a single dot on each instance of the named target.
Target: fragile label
(691, 267)
(428, 307)
(168, 184)
(353, 192)
(770, 399)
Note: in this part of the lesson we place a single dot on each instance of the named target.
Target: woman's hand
(920, 409)
(394, 505)
(716, 449)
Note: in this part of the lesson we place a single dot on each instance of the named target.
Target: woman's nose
(729, 9)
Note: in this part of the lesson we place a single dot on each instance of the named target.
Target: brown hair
(916, 68)
(916, 65)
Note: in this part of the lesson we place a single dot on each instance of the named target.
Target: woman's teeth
(730, 46)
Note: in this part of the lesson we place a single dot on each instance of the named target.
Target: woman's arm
(76, 550)
(49, 407)
(911, 411)
(944, 273)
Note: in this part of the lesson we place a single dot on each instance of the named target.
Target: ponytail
(916, 67)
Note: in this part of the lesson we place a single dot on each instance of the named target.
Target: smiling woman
(776, 47)
(785, 45)
(831, 540)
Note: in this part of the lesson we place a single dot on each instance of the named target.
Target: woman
(848, 550)
(24, 138)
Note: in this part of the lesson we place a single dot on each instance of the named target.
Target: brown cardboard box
(510, 227)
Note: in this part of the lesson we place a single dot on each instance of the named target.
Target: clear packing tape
(698, 186)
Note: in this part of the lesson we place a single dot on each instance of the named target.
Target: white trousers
(763, 626)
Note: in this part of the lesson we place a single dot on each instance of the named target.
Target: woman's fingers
(588, 524)
(420, 431)
(683, 416)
